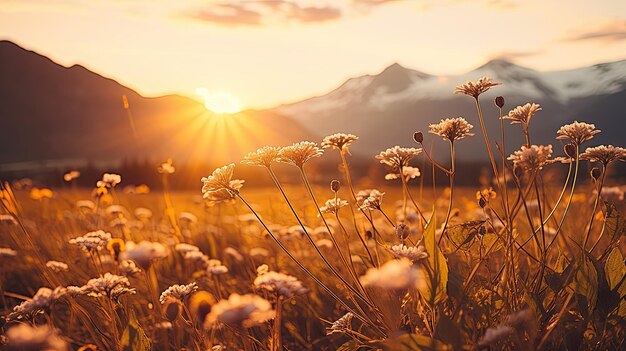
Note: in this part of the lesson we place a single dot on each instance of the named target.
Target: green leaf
(134, 338)
(586, 282)
(435, 269)
(414, 342)
(462, 234)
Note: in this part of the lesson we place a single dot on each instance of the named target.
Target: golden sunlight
(219, 101)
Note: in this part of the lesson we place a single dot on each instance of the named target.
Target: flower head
(604, 154)
(241, 311)
(109, 180)
(475, 89)
(109, 285)
(408, 172)
(57, 266)
(7, 252)
(43, 299)
(167, 167)
(299, 153)
(71, 175)
(393, 275)
(221, 182)
(178, 292)
(216, 267)
(523, 114)
(577, 132)
(92, 240)
(532, 158)
(262, 157)
(452, 128)
(25, 337)
(339, 141)
(369, 199)
(333, 205)
(144, 252)
(413, 253)
(398, 157)
(282, 284)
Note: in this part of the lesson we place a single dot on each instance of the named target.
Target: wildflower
(258, 251)
(115, 210)
(485, 195)
(43, 299)
(612, 193)
(413, 253)
(339, 141)
(370, 199)
(402, 231)
(393, 275)
(408, 172)
(109, 285)
(241, 311)
(166, 167)
(71, 175)
(86, 205)
(577, 132)
(188, 217)
(531, 158)
(144, 252)
(92, 240)
(7, 252)
(109, 180)
(57, 266)
(196, 256)
(398, 157)
(333, 205)
(341, 325)
(604, 154)
(475, 89)
(216, 267)
(185, 248)
(262, 157)
(232, 252)
(40, 194)
(493, 335)
(324, 243)
(129, 268)
(25, 337)
(299, 153)
(179, 292)
(200, 304)
(282, 284)
(142, 213)
(452, 129)
(220, 183)
(523, 114)
(164, 325)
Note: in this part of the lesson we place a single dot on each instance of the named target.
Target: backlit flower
(109, 180)
(369, 199)
(413, 253)
(604, 154)
(299, 153)
(241, 311)
(475, 89)
(282, 284)
(333, 205)
(221, 181)
(167, 167)
(144, 252)
(339, 141)
(393, 275)
(25, 337)
(179, 292)
(577, 132)
(523, 114)
(398, 157)
(262, 157)
(57, 266)
(109, 285)
(452, 129)
(93, 240)
(341, 325)
(408, 171)
(531, 158)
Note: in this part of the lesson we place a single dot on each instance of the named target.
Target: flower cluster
(299, 153)
(531, 158)
(240, 311)
(523, 114)
(92, 240)
(339, 141)
(282, 284)
(369, 199)
(333, 205)
(413, 253)
(577, 132)
(604, 154)
(262, 157)
(452, 129)
(179, 292)
(220, 184)
(475, 89)
(398, 157)
(393, 275)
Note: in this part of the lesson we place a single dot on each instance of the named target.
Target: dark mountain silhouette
(71, 115)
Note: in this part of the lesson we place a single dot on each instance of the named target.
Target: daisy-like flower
(57, 266)
(129, 268)
(475, 89)
(7, 252)
(412, 253)
(109, 180)
(92, 240)
(42, 300)
(398, 157)
(369, 199)
(577, 132)
(452, 129)
(109, 285)
(241, 311)
(166, 167)
(25, 337)
(144, 252)
(333, 205)
(179, 292)
(220, 182)
(532, 158)
(604, 154)
(262, 157)
(299, 153)
(408, 172)
(341, 325)
(393, 275)
(339, 141)
(523, 114)
(282, 284)
(216, 267)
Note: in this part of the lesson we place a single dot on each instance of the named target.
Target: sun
(219, 101)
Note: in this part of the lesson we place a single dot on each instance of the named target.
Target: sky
(258, 54)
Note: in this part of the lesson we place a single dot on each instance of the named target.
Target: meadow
(521, 262)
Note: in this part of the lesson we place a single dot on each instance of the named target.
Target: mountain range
(68, 115)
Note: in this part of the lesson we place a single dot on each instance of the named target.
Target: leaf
(414, 342)
(614, 269)
(490, 239)
(586, 282)
(134, 338)
(351, 345)
(613, 222)
(462, 234)
(435, 271)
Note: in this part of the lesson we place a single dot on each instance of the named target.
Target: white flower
(110, 285)
(577, 132)
(7, 252)
(185, 248)
(166, 167)
(393, 275)
(178, 291)
(282, 284)
(604, 154)
(532, 158)
(475, 89)
(220, 184)
(216, 267)
(43, 299)
(25, 337)
(299, 153)
(86, 205)
(398, 157)
(232, 252)
(408, 171)
(188, 217)
(411, 252)
(92, 240)
(333, 205)
(143, 213)
(452, 129)
(523, 114)
(241, 310)
(109, 180)
(57, 266)
(258, 251)
(129, 268)
(370, 199)
(144, 252)
(339, 141)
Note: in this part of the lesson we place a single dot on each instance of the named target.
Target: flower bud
(402, 231)
(499, 101)
(570, 150)
(368, 234)
(418, 137)
(595, 173)
(335, 185)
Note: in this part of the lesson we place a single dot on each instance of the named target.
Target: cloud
(608, 32)
(261, 12)
(514, 55)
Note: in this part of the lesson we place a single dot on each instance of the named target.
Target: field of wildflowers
(518, 263)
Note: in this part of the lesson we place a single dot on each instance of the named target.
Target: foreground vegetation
(517, 263)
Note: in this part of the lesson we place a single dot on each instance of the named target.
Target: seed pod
(172, 309)
(499, 101)
(402, 231)
(418, 137)
(335, 185)
(481, 202)
(570, 150)
(595, 173)
(368, 234)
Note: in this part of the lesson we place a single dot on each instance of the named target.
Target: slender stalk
(599, 185)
